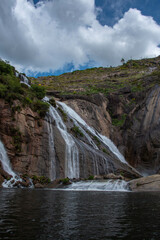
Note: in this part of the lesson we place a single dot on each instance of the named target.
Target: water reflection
(60, 215)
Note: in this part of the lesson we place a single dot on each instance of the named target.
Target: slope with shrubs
(132, 74)
(11, 88)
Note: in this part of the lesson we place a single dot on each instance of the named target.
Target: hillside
(104, 80)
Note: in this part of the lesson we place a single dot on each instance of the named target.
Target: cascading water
(7, 168)
(5, 161)
(71, 151)
(23, 78)
(109, 185)
(52, 157)
(77, 119)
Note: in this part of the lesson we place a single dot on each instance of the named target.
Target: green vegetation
(138, 184)
(77, 131)
(64, 115)
(52, 102)
(103, 80)
(40, 107)
(105, 151)
(39, 91)
(17, 138)
(91, 177)
(11, 89)
(40, 179)
(64, 181)
(119, 122)
(97, 141)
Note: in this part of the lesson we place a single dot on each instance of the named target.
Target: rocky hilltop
(121, 103)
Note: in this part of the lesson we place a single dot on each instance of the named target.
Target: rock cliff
(126, 110)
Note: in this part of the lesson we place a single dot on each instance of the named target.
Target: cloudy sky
(55, 36)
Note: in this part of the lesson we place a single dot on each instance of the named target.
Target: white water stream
(77, 119)
(71, 151)
(7, 168)
(24, 80)
(109, 185)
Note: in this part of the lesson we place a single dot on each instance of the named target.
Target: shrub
(3, 90)
(40, 107)
(6, 68)
(64, 115)
(40, 179)
(27, 101)
(77, 131)
(64, 181)
(97, 140)
(39, 91)
(91, 177)
(17, 138)
(52, 102)
(119, 122)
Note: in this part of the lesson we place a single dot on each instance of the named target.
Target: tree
(122, 61)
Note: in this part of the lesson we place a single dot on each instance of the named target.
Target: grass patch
(77, 132)
(97, 141)
(119, 122)
(64, 115)
(91, 177)
(12, 89)
(40, 179)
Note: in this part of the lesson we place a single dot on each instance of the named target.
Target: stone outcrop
(93, 111)
(149, 183)
(24, 135)
(142, 134)
(138, 138)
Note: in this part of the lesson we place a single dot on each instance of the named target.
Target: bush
(40, 107)
(119, 122)
(40, 179)
(52, 102)
(77, 131)
(3, 90)
(97, 140)
(39, 91)
(64, 115)
(17, 138)
(27, 100)
(64, 181)
(91, 177)
(6, 68)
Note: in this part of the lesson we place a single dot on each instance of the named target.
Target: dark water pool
(67, 215)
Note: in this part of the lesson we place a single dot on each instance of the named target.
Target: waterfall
(52, 157)
(7, 168)
(106, 141)
(5, 161)
(71, 149)
(109, 185)
(24, 79)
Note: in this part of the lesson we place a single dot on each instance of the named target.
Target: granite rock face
(142, 136)
(94, 111)
(24, 135)
(27, 140)
(149, 183)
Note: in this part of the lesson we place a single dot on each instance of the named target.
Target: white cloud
(57, 32)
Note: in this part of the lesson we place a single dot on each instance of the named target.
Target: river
(27, 214)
